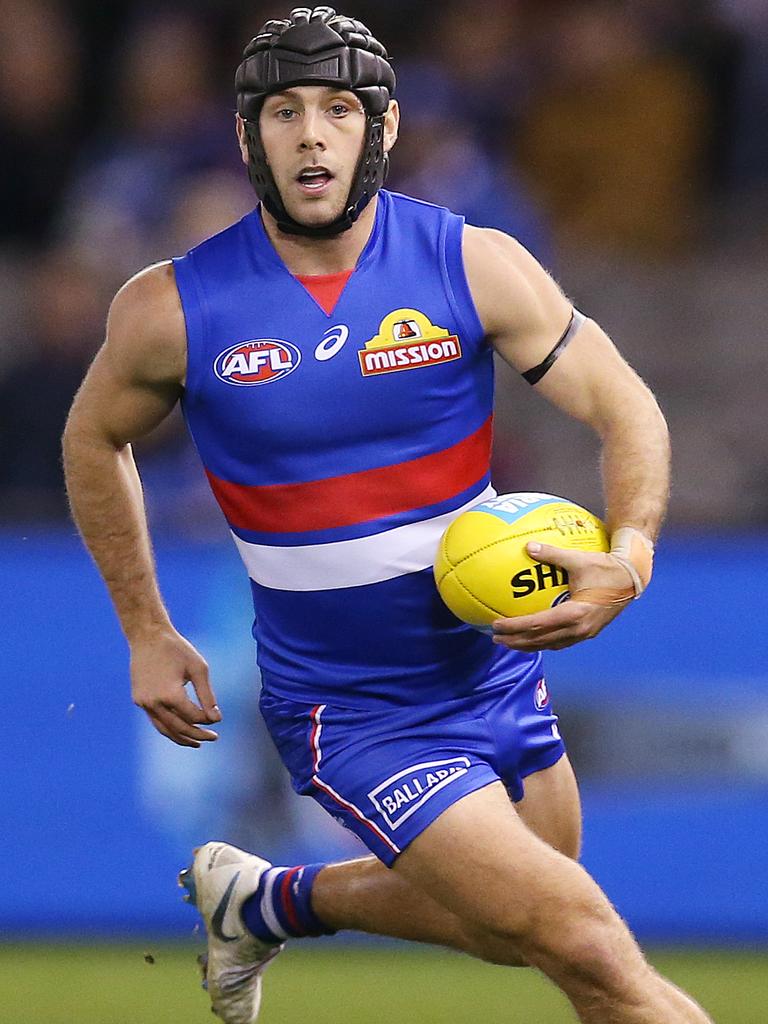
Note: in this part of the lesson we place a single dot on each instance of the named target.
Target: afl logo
(256, 362)
(541, 697)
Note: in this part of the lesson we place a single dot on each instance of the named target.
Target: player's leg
(490, 886)
(364, 895)
(376, 775)
(551, 807)
(481, 862)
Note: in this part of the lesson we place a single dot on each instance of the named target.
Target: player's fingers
(552, 638)
(532, 646)
(198, 676)
(563, 557)
(188, 710)
(157, 723)
(178, 727)
(564, 616)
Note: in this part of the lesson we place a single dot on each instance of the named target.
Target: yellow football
(482, 569)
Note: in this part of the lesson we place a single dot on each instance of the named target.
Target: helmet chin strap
(342, 223)
(369, 176)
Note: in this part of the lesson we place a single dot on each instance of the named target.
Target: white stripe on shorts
(356, 811)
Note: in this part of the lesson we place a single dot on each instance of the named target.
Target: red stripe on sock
(286, 897)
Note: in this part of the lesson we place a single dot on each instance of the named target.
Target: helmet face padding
(316, 47)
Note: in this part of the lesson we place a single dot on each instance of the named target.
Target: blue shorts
(387, 773)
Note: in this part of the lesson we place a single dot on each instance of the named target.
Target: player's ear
(242, 142)
(391, 125)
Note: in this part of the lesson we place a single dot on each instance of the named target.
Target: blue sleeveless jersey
(340, 447)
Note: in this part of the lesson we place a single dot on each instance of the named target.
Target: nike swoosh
(217, 921)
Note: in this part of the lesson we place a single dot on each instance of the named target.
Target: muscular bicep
(590, 380)
(137, 377)
(527, 317)
(116, 408)
(522, 309)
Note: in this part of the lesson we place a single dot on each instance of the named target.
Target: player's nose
(312, 134)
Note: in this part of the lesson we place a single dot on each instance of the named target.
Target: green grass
(334, 984)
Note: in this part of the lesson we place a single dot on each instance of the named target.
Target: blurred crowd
(603, 134)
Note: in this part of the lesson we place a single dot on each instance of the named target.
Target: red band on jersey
(357, 497)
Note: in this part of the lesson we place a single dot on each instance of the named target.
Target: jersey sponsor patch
(407, 339)
(400, 795)
(256, 362)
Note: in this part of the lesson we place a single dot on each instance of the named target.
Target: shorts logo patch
(541, 697)
(256, 362)
(407, 339)
(400, 795)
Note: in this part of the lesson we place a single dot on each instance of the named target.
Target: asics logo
(217, 921)
(333, 341)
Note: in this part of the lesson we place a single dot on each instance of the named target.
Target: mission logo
(407, 339)
(256, 362)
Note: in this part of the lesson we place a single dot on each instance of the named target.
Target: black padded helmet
(316, 47)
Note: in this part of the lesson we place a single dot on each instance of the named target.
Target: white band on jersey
(351, 563)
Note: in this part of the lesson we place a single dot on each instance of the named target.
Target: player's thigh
(512, 891)
(551, 807)
(482, 862)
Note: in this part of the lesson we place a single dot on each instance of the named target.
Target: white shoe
(218, 882)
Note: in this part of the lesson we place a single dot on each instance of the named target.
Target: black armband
(534, 375)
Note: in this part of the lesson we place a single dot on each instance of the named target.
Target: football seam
(444, 553)
(499, 540)
(475, 598)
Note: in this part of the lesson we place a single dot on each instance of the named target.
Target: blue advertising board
(98, 812)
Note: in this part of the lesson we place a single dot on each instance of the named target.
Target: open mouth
(314, 179)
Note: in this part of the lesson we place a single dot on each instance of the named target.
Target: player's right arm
(132, 385)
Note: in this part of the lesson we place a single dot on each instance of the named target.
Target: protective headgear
(316, 47)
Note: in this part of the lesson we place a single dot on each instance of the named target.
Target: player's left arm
(526, 316)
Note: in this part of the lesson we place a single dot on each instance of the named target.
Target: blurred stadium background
(625, 144)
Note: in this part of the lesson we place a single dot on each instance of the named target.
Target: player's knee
(588, 946)
(564, 936)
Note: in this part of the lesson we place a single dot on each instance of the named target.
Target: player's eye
(285, 114)
(339, 109)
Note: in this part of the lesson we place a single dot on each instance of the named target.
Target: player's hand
(161, 665)
(590, 573)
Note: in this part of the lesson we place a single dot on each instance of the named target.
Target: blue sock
(281, 907)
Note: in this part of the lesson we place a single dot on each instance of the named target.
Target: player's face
(313, 137)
